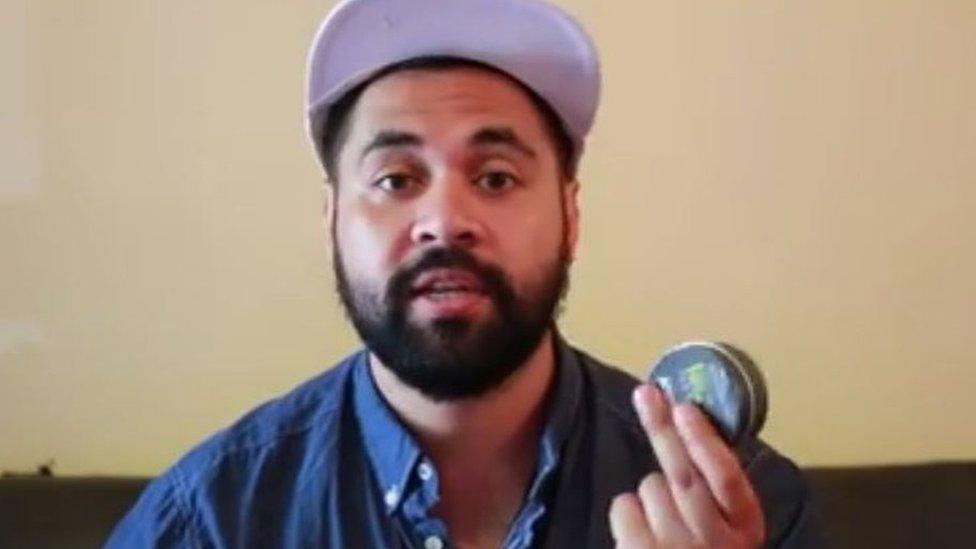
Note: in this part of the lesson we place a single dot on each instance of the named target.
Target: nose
(445, 216)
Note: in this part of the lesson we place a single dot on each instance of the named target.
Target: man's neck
(484, 448)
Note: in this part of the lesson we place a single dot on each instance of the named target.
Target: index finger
(691, 492)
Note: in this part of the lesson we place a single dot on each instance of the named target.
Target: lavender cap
(533, 41)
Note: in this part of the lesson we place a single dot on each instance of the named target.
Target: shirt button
(433, 542)
(425, 471)
(391, 496)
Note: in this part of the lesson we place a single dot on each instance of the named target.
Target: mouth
(447, 292)
(439, 284)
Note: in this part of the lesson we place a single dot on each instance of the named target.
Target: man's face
(452, 227)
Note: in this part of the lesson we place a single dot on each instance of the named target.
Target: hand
(702, 499)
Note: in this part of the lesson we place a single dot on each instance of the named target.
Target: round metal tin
(722, 380)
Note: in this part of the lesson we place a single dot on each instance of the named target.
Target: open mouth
(447, 292)
(442, 284)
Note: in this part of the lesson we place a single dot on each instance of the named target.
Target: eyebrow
(493, 135)
(388, 139)
(500, 135)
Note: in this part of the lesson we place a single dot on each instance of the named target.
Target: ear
(571, 208)
(329, 212)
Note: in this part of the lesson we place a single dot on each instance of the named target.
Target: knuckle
(685, 479)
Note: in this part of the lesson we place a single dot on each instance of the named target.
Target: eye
(496, 181)
(395, 182)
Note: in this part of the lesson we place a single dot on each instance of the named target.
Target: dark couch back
(46, 512)
(923, 506)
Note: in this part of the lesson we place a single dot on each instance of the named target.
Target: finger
(628, 526)
(690, 491)
(720, 468)
(667, 524)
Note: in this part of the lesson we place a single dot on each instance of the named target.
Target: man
(450, 132)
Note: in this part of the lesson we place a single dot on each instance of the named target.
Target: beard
(454, 358)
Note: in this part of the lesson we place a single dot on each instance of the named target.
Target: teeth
(445, 294)
(446, 286)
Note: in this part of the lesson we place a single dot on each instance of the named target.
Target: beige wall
(797, 177)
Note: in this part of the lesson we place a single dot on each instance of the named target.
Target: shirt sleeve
(805, 532)
(792, 521)
(158, 519)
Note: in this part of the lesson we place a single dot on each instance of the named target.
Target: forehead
(444, 100)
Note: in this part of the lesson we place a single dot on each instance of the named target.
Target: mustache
(492, 278)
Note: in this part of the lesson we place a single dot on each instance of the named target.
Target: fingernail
(640, 401)
(649, 401)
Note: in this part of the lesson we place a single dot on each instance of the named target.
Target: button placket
(391, 497)
(424, 471)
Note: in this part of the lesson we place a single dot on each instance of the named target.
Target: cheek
(534, 240)
(368, 242)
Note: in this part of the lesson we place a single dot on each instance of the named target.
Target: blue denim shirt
(330, 465)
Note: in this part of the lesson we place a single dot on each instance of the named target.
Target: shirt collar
(563, 407)
(390, 447)
(394, 453)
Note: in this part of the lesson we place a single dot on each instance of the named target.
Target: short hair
(336, 128)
